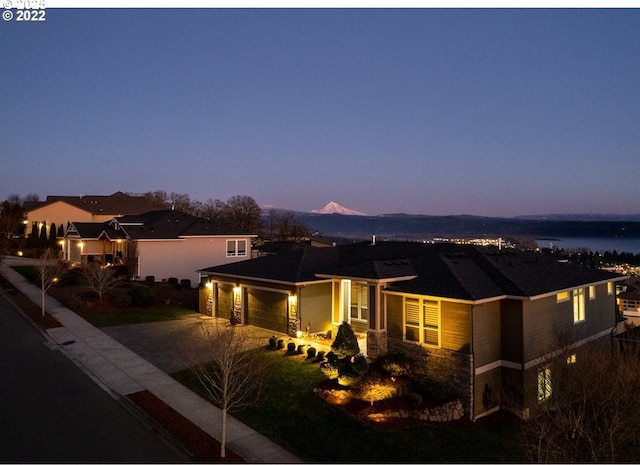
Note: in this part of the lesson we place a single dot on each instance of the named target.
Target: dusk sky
(427, 111)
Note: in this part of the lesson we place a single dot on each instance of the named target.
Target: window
(359, 301)
(237, 248)
(562, 297)
(422, 321)
(609, 288)
(544, 384)
(578, 305)
(571, 359)
(592, 292)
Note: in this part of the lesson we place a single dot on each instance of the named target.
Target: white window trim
(421, 326)
(235, 252)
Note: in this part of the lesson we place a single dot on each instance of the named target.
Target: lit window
(592, 292)
(578, 305)
(609, 288)
(422, 321)
(544, 384)
(237, 248)
(359, 304)
(571, 359)
(562, 297)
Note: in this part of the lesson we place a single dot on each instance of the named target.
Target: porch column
(377, 331)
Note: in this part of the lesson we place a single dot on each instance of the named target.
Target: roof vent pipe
(373, 240)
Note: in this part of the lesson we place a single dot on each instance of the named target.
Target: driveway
(175, 345)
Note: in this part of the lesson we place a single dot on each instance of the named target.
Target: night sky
(496, 112)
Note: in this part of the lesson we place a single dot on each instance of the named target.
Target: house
(60, 210)
(167, 243)
(474, 317)
(628, 298)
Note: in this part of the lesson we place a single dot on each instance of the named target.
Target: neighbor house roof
(157, 224)
(115, 204)
(463, 272)
(172, 224)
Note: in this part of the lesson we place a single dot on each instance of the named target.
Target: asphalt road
(51, 411)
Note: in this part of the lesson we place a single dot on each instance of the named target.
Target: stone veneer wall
(446, 366)
(376, 344)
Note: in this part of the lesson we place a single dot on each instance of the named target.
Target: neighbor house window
(237, 248)
(422, 321)
(592, 292)
(609, 288)
(571, 359)
(562, 297)
(578, 305)
(359, 301)
(544, 384)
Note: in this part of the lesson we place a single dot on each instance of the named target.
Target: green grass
(28, 272)
(297, 419)
(129, 317)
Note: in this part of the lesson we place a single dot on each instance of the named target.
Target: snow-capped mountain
(333, 207)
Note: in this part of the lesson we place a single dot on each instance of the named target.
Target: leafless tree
(101, 279)
(236, 376)
(48, 270)
(593, 409)
(244, 213)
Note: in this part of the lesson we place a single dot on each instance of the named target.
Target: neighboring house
(471, 316)
(167, 243)
(61, 210)
(628, 297)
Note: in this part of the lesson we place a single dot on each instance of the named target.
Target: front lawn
(299, 420)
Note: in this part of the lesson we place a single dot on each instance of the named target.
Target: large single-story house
(475, 317)
(60, 210)
(167, 243)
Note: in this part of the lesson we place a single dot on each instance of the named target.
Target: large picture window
(237, 248)
(578, 305)
(422, 321)
(359, 301)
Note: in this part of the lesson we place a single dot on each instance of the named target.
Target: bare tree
(244, 213)
(48, 269)
(236, 376)
(101, 279)
(591, 411)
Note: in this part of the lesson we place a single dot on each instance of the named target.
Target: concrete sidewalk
(121, 372)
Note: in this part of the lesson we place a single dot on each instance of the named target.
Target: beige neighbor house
(478, 318)
(61, 210)
(167, 243)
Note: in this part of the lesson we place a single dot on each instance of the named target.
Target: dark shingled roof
(445, 270)
(115, 204)
(172, 224)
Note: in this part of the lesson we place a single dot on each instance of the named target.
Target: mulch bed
(200, 445)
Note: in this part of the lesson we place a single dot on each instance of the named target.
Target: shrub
(329, 370)
(301, 349)
(280, 344)
(320, 355)
(141, 295)
(273, 340)
(396, 364)
(70, 277)
(311, 352)
(174, 283)
(165, 292)
(150, 279)
(414, 398)
(291, 347)
(120, 298)
(74, 303)
(185, 283)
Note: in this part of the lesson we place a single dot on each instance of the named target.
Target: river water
(595, 244)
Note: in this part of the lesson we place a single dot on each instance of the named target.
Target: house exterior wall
(58, 213)
(181, 258)
(486, 333)
(455, 326)
(315, 307)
